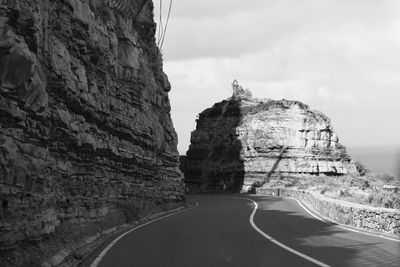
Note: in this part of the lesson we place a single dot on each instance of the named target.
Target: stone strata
(85, 122)
(242, 142)
(368, 218)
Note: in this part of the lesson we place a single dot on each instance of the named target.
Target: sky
(341, 57)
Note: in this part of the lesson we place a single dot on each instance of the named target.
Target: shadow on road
(320, 240)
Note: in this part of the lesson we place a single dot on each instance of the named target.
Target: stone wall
(85, 127)
(364, 217)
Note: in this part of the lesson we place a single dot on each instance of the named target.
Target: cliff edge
(85, 127)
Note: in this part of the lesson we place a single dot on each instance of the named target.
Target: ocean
(379, 159)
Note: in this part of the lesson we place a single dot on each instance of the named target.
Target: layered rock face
(85, 121)
(241, 142)
(214, 156)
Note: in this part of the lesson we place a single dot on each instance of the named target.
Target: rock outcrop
(242, 142)
(85, 125)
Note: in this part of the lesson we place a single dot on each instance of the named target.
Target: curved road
(219, 233)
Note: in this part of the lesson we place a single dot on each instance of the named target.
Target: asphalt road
(219, 233)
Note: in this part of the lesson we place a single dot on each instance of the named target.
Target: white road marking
(251, 220)
(255, 227)
(370, 234)
(341, 226)
(104, 251)
(308, 211)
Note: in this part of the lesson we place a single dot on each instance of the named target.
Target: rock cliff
(85, 127)
(242, 142)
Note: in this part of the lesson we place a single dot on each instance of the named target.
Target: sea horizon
(381, 159)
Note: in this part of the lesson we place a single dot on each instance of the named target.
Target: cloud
(340, 57)
(195, 9)
(199, 29)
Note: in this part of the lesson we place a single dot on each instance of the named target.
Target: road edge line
(339, 225)
(270, 238)
(112, 243)
(276, 242)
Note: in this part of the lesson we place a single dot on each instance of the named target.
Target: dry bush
(361, 168)
(345, 193)
(361, 183)
(388, 179)
(323, 190)
(380, 198)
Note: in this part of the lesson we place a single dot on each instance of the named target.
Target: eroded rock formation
(85, 121)
(242, 142)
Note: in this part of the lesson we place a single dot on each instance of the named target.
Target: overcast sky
(341, 57)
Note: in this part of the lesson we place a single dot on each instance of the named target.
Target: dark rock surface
(242, 142)
(85, 122)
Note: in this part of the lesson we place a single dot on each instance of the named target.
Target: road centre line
(255, 227)
(251, 220)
